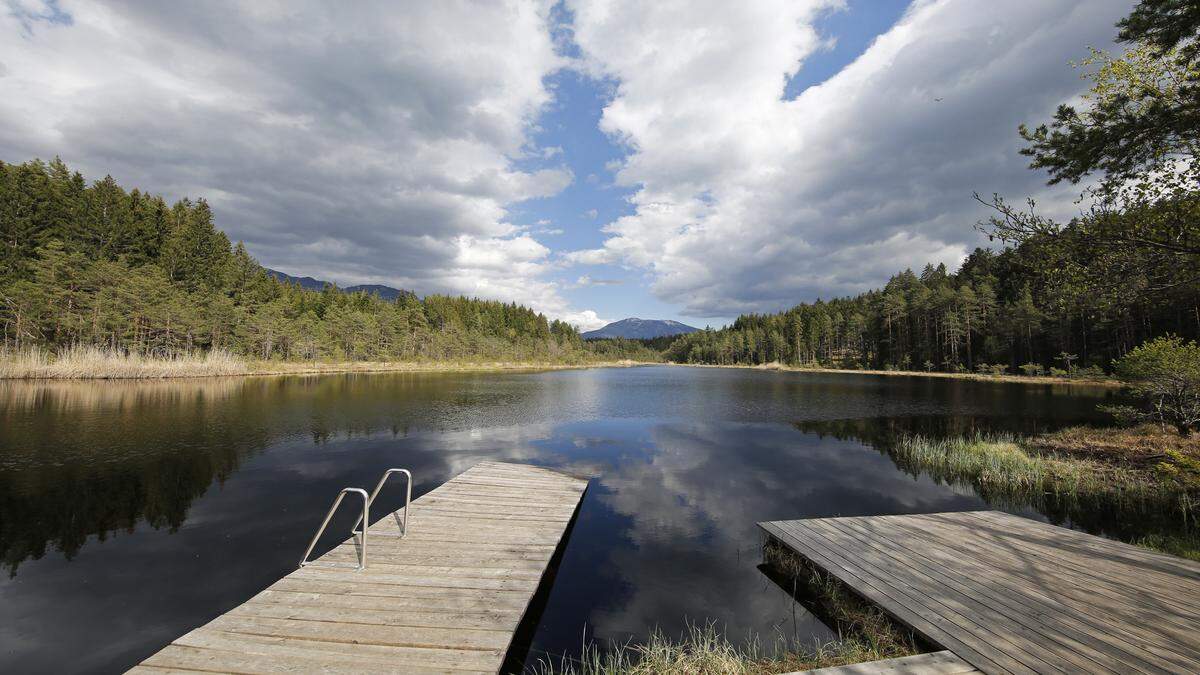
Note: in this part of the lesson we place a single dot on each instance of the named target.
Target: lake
(131, 513)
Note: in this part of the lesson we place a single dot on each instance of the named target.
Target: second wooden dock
(447, 597)
(1012, 595)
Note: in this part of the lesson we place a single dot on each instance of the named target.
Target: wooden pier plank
(1009, 594)
(446, 598)
(933, 663)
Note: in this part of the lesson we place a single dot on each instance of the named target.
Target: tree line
(1029, 308)
(99, 266)
(1066, 297)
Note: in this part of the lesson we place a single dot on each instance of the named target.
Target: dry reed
(85, 362)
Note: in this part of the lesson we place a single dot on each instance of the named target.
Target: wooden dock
(448, 597)
(1013, 595)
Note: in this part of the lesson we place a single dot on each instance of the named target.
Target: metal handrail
(365, 517)
(375, 493)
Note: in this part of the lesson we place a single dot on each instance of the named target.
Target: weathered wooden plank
(933, 663)
(1041, 629)
(183, 658)
(461, 659)
(1128, 645)
(1091, 558)
(995, 589)
(1171, 565)
(447, 597)
(1104, 581)
(1086, 601)
(473, 603)
(960, 614)
(484, 619)
(367, 589)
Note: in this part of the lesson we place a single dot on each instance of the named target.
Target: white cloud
(747, 202)
(595, 256)
(359, 143)
(585, 280)
(585, 320)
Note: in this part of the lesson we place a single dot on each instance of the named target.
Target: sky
(592, 159)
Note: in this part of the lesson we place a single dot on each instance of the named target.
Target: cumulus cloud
(744, 201)
(361, 143)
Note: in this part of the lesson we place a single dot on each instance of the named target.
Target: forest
(96, 265)
(1060, 298)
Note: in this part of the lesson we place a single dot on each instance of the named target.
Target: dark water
(132, 513)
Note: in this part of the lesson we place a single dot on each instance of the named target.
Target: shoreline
(115, 370)
(1019, 379)
(269, 368)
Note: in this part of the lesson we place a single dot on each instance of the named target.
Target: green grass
(1182, 545)
(995, 461)
(1137, 502)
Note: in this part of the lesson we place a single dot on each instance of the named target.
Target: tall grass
(1005, 468)
(1102, 492)
(85, 362)
(996, 461)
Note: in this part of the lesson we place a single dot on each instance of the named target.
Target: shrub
(1165, 374)
(1033, 369)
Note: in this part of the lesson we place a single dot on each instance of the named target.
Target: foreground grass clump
(866, 634)
(93, 362)
(703, 651)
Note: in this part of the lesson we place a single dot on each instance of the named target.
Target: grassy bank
(1024, 379)
(1141, 485)
(81, 363)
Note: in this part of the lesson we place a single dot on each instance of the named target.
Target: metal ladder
(365, 518)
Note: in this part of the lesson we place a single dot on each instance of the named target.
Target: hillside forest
(96, 265)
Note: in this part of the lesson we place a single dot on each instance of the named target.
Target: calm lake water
(131, 513)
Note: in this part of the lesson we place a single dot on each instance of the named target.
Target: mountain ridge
(634, 328)
(384, 292)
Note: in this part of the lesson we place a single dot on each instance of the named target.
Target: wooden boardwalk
(1013, 595)
(448, 597)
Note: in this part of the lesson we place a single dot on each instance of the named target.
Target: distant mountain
(640, 329)
(385, 292)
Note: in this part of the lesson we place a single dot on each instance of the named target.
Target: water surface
(131, 513)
